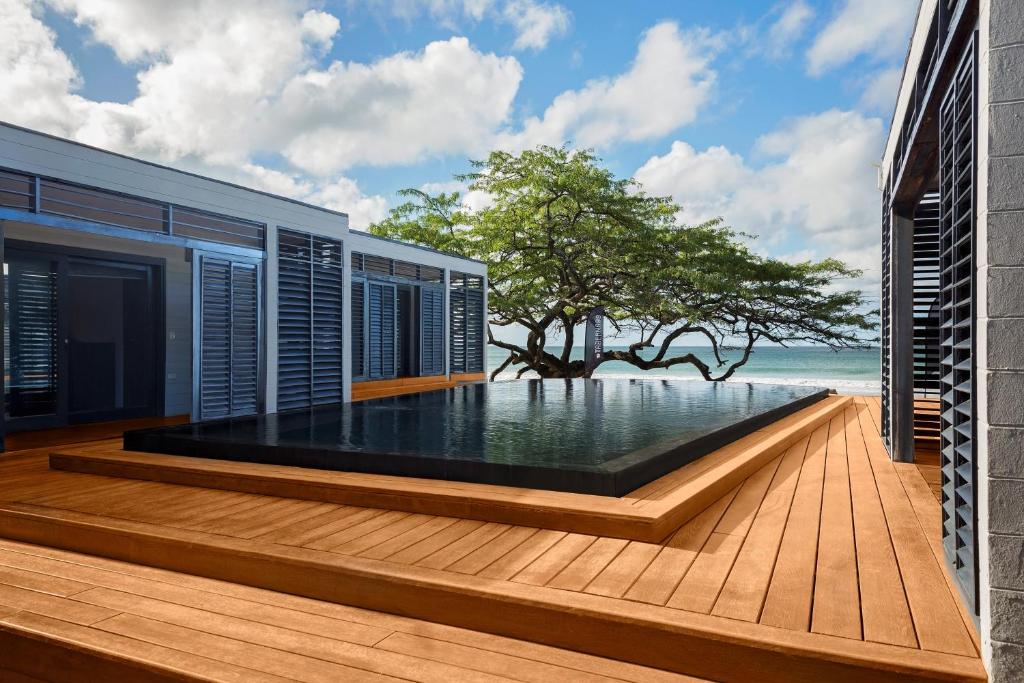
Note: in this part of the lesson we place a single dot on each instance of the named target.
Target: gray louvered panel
(381, 333)
(957, 156)
(431, 331)
(215, 351)
(245, 350)
(294, 292)
(358, 308)
(31, 309)
(475, 321)
(309, 320)
(327, 321)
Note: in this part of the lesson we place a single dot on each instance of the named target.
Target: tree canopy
(562, 235)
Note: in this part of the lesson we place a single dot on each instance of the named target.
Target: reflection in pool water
(543, 433)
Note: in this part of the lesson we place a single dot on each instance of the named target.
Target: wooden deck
(650, 513)
(58, 607)
(823, 564)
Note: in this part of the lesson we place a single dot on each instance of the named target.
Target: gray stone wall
(1002, 319)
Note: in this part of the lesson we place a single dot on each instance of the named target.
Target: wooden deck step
(649, 514)
(703, 645)
(159, 625)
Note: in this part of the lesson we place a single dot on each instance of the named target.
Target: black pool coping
(615, 477)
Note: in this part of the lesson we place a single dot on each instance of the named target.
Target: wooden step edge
(695, 496)
(674, 640)
(560, 511)
(40, 656)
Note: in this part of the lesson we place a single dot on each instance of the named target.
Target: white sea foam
(842, 386)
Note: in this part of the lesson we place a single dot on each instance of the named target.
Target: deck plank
(659, 580)
(791, 591)
(836, 607)
(747, 584)
(936, 617)
(883, 603)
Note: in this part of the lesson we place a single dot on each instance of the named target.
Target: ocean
(848, 372)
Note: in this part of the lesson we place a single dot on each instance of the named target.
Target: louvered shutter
(309, 320)
(294, 321)
(215, 341)
(886, 319)
(474, 330)
(31, 361)
(358, 305)
(457, 324)
(431, 331)
(957, 156)
(381, 337)
(229, 338)
(327, 318)
(245, 349)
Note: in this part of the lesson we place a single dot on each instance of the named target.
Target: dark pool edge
(615, 478)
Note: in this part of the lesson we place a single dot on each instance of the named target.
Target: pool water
(604, 437)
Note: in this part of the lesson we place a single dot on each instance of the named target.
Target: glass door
(111, 340)
(81, 339)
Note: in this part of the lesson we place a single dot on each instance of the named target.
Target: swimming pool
(605, 437)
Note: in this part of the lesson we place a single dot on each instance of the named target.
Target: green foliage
(562, 235)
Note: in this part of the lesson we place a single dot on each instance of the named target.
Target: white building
(135, 290)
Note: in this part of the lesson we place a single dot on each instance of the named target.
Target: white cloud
(790, 24)
(668, 83)
(344, 195)
(446, 99)
(448, 12)
(816, 187)
(535, 23)
(876, 27)
(881, 89)
(220, 84)
(37, 79)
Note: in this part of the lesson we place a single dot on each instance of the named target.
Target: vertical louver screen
(431, 331)
(358, 328)
(245, 350)
(474, 330)
(229, 340)
(926, 297)
(886, 317)
(31, 351)
(294, 321)
(309, 320)
(467, 323)
(381, 337)
(927, 369)
(457, 324)
(959, 469)
(327, 317)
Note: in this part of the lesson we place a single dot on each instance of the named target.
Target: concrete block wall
(1001, 333)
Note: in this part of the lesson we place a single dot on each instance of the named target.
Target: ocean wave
(842, 386)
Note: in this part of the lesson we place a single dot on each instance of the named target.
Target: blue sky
(770, 114)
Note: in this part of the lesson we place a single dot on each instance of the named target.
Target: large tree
(561, 235)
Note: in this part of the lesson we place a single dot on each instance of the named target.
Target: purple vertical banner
(594, 340)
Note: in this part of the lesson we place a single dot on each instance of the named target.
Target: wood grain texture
(736, 592)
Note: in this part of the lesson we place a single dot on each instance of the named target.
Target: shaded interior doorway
(408, 331)
(82, 338)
